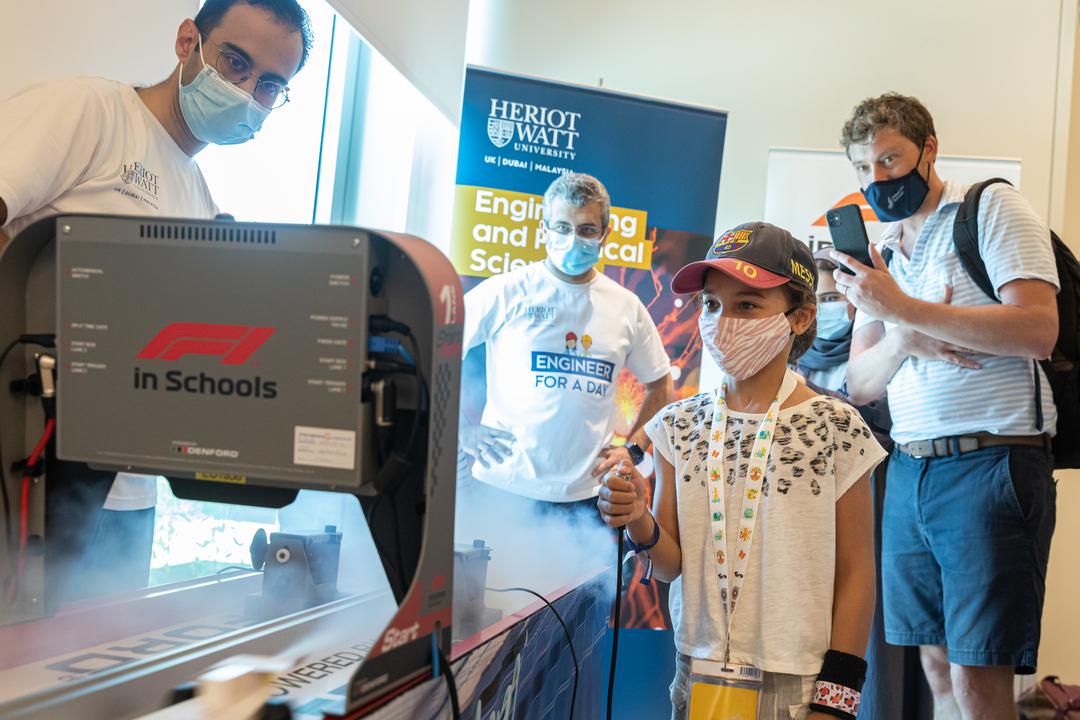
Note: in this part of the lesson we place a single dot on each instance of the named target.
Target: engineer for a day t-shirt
(554, 352)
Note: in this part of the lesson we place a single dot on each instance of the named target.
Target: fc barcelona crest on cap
(756, 254)
(731, 242)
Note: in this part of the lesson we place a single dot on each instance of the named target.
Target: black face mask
(898, 198)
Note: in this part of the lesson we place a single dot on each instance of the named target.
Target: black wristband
(636, 453)
(839, 684)
(843, 669)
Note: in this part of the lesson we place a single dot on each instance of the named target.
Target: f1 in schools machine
(243, 362)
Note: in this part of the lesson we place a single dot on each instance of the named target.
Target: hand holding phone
(849, 234)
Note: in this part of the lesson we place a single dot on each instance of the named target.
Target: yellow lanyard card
(720, 691)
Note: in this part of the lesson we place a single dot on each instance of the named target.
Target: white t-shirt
(91, 145)
(783, 622)
(554, 351)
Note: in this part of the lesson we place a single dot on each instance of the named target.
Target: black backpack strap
(966, 240)
(966, 236)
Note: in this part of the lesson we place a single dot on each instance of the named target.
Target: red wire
(24, 510)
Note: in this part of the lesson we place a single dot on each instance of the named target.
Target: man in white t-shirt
(557, 335)
(90, 145)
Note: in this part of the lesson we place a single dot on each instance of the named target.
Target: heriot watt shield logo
(500, 132)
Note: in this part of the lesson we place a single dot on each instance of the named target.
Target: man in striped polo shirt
(969, 505)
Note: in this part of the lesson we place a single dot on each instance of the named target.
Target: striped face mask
(743, 346)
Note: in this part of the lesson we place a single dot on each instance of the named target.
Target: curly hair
(903, 113)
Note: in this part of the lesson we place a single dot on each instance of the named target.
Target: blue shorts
(965, 544)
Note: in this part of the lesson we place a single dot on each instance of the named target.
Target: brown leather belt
(960, 444)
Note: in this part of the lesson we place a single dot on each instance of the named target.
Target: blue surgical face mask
(571, 254)
(218, 112)
(833, 321)
(898, 198)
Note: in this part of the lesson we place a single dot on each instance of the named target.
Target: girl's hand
(622, 496)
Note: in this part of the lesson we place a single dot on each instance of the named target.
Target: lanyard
(755, 475)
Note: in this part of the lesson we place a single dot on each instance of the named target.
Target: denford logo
(192, 449)
(234, 343)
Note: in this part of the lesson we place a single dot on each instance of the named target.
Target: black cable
(402, 578)
(421, 411)
(395, 578)
(566, 631)
(616, 621)
(421, 400)
(3, 468)
(384, 324)
(451, 685)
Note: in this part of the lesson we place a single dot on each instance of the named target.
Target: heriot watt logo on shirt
(136, 174)
(539, 314)
(139, 184)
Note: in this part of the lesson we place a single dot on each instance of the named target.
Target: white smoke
(532, 546)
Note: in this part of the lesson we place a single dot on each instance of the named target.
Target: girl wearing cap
(762, 515)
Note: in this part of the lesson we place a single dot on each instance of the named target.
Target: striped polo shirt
(934, 398)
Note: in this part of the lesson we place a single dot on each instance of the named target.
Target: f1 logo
(235, 343)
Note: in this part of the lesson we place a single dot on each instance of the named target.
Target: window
(274, 178)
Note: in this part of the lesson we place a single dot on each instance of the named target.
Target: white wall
(119, 39)
(789, 72)
(423, 39)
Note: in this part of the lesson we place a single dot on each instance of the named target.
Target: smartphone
(849, 234)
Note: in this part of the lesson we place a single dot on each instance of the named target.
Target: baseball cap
(824, 253)
(757, 254)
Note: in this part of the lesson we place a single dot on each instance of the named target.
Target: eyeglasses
(236, 68)
(585, 232)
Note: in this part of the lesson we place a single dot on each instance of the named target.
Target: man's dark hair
(287, 12)
(903, 113)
